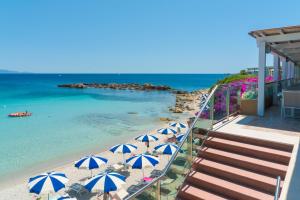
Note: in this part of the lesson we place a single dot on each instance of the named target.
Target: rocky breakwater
(188, 101)
(118, 86)
(185, 101)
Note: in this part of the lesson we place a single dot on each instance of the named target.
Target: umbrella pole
(143, 173)
(123, 159)
(91, 173)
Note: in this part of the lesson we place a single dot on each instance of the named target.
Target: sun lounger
(118, 167)
(147, 179)
(133, 188)
(155, 173)
(77, 188)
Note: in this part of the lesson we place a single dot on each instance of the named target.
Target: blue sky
(142, 36)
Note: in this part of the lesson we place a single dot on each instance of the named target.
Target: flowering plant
(244, 88)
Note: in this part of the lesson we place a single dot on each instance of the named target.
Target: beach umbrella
(123, 148)
(141, 161)
(166, 131)
(146, 138)
(47, 182)
(179, 137)
(168, 148)
(105, 182)
(90, 162)
(178, 126)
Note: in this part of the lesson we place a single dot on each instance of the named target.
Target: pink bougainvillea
(236, 89)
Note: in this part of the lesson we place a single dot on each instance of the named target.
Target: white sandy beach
(18, 189)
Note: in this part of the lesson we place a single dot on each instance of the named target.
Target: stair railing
(153, 190)
(277, 190)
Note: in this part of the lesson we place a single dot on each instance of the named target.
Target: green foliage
(243, 72)
(235, 77)
(250, 95)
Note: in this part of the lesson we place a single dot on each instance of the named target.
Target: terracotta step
(226, 188)
(265, 153)
(244, 177)
(189, 192)
(253, 164)
(249, 140)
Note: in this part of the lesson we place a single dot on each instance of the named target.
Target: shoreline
(18, 184)
(17, 187)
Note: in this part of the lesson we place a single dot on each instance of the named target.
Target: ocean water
(69, 121)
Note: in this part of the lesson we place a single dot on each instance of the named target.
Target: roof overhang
(283, 41)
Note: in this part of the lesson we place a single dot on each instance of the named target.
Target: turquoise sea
(69, 121)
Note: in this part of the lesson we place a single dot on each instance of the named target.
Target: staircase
(237, 168)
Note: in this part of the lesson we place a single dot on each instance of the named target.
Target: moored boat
(20, 114)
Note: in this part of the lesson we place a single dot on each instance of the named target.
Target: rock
(118, 86)
(77, 85)
(165, 119)
(178, 110)
(132, 113)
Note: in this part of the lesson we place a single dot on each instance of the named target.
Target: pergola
(284, 44)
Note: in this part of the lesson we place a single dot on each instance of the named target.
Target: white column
(276, 64)
(261, 79)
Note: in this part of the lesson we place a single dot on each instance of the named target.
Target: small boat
(20, 114)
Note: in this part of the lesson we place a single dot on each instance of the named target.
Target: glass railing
(220, 104)
(273, 90)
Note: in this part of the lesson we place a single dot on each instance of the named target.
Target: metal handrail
(177, 151)
(277, 190)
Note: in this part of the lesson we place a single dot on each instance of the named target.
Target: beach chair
(155, 173)
(118, 167)
(77, 188)
(147, 179)
(290, 106)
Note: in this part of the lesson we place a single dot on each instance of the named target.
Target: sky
(136, 36)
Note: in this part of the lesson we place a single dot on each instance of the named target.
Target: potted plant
(249, 103)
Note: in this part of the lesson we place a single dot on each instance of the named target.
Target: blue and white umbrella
(178, 125)
(105, 182)
(179, 137)
(90, 162)
(166, 131)
(168, 148)
(47, 182)
(123, 148)
(141, 161)
(146, 138)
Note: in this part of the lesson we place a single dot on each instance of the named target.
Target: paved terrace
(273, 127)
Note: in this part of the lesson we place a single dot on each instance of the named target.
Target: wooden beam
(287, 45)
(280, 38)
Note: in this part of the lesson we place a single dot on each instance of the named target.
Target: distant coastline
(4, 71)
